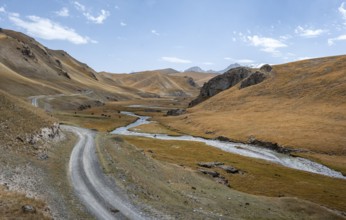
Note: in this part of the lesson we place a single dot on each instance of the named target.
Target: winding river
(236, 148)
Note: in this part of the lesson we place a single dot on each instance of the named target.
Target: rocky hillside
(301, 105)
(25, 60)
(244, 76)
(24, 128)
(28, 68)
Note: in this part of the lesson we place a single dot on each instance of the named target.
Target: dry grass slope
(301, 105)
(17, 119)
(155, 83)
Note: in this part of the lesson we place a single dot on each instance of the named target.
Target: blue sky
(132, 35)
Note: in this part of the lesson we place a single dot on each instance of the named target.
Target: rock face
(245, 75)
(266, 68)
(221, 83)
(253, 79)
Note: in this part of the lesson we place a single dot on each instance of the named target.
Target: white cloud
(339, 38)
(208, 63)
(285, 37)
(14, 14)
(304, 58)
(79, 6)
(64, 12)
(175, 60)
(123, 24)
(239, 60)
(155, 32)
(342, 10)
(48, 30)
(269, 45)
(99, 19)
(309, 33)
(244, 61)
(2, 10)
(95, 19)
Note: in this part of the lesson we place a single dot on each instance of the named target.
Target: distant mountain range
(198, 69)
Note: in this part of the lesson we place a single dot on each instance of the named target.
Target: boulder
(229, 169)
(222, 180)
(209, 164)
(28, 209)
(209, 172)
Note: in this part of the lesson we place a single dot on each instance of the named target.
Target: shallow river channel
(236, 148)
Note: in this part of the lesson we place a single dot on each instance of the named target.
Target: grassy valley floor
(162, 174)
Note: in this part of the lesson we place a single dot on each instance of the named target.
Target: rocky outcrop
(271, 146)
(222, 138)
(221, 83)
(253, 79)
(245, 75)
(175, 112)
(211, 173)
(46, 133)
(266, 68)
(229, 169)
(216, 175)
(191, 82)
(209, 164)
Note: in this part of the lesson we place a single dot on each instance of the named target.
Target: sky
(122, 36)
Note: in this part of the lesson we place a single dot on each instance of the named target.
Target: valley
(251, 143)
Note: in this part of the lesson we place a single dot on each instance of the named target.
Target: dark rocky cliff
(243, 75)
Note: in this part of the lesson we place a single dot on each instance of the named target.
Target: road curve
(34, 99)
(97, 191)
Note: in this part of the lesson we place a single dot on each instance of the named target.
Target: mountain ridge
(46, 71)
(200, 70)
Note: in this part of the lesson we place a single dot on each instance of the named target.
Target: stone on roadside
(28, 209)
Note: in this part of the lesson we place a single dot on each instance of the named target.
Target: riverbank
(258, 176)
(163, 175)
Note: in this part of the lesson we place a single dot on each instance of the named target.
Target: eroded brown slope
(28, 68)
(157, 82)
(301, 105)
